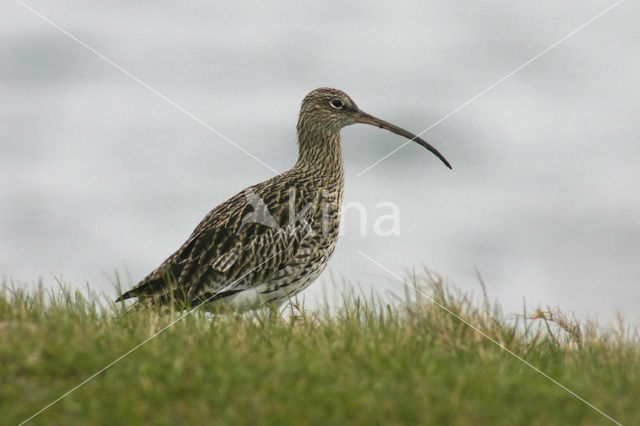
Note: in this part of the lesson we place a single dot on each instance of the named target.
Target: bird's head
(329, 110)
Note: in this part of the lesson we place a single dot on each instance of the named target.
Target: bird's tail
(153, 286)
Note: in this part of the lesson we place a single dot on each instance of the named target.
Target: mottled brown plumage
(272, 240)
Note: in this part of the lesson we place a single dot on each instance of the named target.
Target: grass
(366, 363)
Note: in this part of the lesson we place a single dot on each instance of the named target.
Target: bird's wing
(240, 242)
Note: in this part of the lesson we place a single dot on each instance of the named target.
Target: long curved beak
(363, 117)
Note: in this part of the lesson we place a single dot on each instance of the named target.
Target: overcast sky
(109, 166)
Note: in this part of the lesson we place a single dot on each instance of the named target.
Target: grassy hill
(366, 363)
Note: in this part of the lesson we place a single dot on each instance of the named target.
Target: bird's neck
(320, 152)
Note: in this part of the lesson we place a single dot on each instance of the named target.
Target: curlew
(273, 239)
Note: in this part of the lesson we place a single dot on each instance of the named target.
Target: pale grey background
(99, 174)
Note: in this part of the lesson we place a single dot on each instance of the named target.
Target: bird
(272, 240)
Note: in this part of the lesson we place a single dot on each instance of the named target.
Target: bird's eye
(336, 103)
